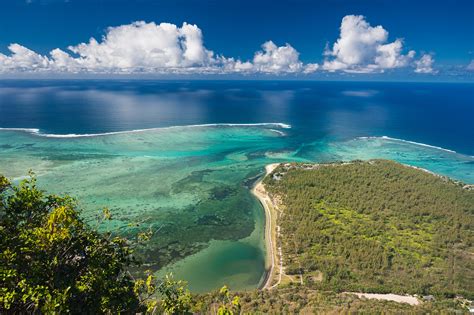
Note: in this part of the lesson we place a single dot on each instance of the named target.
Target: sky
(332, 39)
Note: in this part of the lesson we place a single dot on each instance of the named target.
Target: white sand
(412, 300)
(270, 235)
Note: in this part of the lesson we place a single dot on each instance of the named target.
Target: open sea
(179, 157)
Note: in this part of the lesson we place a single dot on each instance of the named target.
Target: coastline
(270, 230)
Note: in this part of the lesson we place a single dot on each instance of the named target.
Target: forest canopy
(376, 226)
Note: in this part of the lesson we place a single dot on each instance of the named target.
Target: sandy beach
(270, 231)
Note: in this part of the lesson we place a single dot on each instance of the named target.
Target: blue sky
(441, 30)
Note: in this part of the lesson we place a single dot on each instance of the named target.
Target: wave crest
(410, 142)
(36, 131)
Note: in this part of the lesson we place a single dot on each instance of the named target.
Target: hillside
(375, 226)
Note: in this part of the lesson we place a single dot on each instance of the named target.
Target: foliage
(229, 306)
(175, 297)
(51, 262)
(299, 299)
(376, 226)
(221, 302)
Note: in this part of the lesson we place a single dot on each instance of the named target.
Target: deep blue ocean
(180, 156)
(439, 114)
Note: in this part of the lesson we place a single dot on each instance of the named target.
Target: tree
(175, 297)
(52, 262)
(228, 305)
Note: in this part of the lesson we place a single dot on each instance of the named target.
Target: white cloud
(389, 55)
(425, 64)
(22, 58)
(310, 68)
(273, 59)
(362, 48)
(164, 48)
(152, 48)
(140, 46)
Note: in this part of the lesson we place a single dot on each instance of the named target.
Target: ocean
(179, 157)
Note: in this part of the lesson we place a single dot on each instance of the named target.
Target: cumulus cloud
(425, 64)
(144, 46)
(152, 48)
(362, 48)
(165, 48)
(22, 58)
(273, 59)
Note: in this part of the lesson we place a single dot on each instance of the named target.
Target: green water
(187, 184)
(191, 186)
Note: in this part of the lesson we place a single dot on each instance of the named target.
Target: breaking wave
(410, 142)
(36, 131)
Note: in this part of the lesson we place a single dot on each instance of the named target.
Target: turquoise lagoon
(190, 184)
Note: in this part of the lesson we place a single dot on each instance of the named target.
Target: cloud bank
(166, 48)
(152, 48)
(136, 47)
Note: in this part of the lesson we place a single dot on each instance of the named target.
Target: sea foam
(411, 142)
(74, 135)
(29, 130)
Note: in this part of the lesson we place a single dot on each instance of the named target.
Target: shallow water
(186, 183)
(190, 183)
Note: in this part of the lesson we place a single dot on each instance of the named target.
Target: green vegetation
(50, 261)
(376, 226)
(366, 226)
(304, 300)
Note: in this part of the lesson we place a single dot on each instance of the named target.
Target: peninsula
(376, 229)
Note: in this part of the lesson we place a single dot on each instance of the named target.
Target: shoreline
(270, 228)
